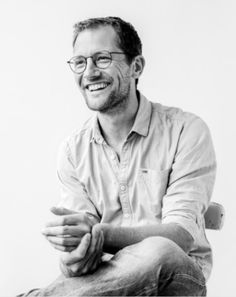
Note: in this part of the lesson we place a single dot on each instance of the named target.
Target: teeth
(97, 86)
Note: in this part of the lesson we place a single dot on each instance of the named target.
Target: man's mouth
(97, 86)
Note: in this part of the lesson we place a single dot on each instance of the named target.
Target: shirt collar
(141, 122)
(96, 131)
(143, 117)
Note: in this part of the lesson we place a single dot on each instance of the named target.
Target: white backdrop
(189, 47)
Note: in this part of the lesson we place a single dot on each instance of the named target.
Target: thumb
(60, 211)
(79, 253)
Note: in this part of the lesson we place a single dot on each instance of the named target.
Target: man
(136, 181)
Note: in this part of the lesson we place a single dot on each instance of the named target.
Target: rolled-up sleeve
(73, 193)
(191, 179)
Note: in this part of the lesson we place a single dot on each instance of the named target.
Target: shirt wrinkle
(165, 174)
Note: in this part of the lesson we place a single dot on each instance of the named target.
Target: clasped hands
(79, 236)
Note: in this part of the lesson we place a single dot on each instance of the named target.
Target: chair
(214, 216)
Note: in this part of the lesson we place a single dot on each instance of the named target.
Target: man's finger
(64, 241)
(95, 264)
(79, 253)
(95, 257)
(63, 220)
(94, 252)
(95, 239)
(60, 211)
(63, 248)
(82, 248)
(75, 231)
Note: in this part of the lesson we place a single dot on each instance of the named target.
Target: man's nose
(91, 69)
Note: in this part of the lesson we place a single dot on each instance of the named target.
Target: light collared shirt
(165, 174)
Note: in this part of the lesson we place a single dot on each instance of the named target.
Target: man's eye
(79, 63)
(103, 59)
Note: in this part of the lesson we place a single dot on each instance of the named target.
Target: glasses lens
(102, 60)
(78, 64)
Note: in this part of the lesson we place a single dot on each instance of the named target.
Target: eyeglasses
(101, 60)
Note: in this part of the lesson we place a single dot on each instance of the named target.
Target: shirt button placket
(113, 157)
(113, 160)
(124, 199)
(123, 188)
(124, 195)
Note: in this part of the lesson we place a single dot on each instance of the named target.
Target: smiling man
(105, 90)
(136, 181)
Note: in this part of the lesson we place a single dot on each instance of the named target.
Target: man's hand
(67, 230)
(86, 257)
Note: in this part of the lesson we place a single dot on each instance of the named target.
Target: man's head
(127, 37)
(107, 62)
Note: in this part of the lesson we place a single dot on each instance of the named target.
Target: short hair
(128, 39)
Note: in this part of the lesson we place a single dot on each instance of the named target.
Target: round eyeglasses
(101, 60)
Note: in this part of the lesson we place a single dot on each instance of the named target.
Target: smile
(97, 86)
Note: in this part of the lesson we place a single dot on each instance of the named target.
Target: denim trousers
(155, 266)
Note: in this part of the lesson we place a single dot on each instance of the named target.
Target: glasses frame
(70, 62)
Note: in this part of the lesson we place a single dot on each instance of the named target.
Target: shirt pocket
(152, 185)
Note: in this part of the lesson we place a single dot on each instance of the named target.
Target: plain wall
(189, 48)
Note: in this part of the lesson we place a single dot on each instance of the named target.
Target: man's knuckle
(67, 249)
(63, 221)
(84, 270)
(65, 260)
(63, 248)
(84, 229)
(74, 268)
(64, 229)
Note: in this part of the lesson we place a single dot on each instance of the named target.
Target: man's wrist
(105, 230)
(110, 238)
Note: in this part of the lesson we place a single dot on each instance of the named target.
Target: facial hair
(117, 100)
(116, 103)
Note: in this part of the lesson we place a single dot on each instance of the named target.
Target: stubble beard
(115, 103)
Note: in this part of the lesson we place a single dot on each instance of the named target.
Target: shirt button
(123, 188)
(113, 157)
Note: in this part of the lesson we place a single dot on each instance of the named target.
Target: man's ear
(138, 66)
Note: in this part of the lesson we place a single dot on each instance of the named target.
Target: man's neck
(116, 127)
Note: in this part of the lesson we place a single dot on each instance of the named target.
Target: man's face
(105, 90)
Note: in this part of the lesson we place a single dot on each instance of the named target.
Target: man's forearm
(116, 238)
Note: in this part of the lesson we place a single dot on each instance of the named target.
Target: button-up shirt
(165, 174)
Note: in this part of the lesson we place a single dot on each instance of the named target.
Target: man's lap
(155, 266)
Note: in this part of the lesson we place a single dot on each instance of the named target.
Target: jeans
(155, 266)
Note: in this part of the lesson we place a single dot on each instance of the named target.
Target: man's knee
(160, 249)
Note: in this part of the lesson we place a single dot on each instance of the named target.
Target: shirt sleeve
(73, 193)
(191, 179)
